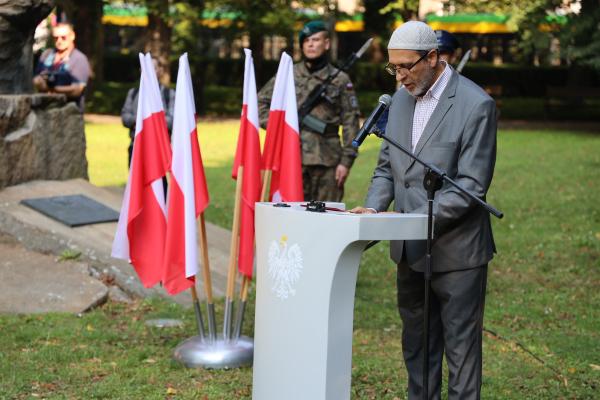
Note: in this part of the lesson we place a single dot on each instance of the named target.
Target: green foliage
(69, 254)
(108, 98)
(581, 37)
(185, 28)
(378, 17)
(262, 17)
(159, 8)
(220, 101)
(525, 17)
(516, 80)
(406, 9)
(516, 101)
(533, 41)
(548, 109)
(481, 6)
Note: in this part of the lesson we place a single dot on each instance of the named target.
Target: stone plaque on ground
(74, 210)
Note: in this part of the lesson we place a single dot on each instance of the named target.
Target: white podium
(307, 264)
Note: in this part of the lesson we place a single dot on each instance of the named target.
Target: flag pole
(239, 318)
(197, 312)
(216, 352)
(235, 231)
(207, 280)
(264, 195)
(195, 299)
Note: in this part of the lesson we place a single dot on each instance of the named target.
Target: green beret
(311, 28)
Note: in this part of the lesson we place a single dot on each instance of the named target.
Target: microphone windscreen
(385, 99)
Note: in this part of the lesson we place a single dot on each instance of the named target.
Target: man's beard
(424, 84)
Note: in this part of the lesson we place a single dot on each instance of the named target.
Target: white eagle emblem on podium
(285, 266)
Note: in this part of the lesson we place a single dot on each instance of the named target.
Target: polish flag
(188, 192)
(247, 156)
(282, 152)
(140, 234)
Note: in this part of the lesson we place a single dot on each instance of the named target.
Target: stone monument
(41, 135)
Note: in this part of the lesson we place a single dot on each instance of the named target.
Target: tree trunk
(377, 24)
(408, 15)
(199, 75)
(257, 45)
(89, 32)
(17, 25)
(331, 19)
(158, 39)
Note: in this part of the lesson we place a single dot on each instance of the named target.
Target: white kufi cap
(413, 35)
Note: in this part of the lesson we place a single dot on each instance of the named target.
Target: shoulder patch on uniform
(354, 102)
(349, 86)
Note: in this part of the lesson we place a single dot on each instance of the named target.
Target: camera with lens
(51, 79)
(58, 78)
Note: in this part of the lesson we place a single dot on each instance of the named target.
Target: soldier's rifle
(463, 61)
(319, 93)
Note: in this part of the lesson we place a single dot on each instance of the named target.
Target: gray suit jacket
(460, 139)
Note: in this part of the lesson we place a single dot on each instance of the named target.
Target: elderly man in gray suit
(450, 122)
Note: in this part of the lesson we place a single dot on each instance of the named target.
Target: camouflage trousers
(319, 183)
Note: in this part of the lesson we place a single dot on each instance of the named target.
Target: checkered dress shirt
(426, 104)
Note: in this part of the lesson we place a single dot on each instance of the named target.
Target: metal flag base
(197, 352)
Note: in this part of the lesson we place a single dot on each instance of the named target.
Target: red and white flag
(247, 155)
(188, 193)
(140, 234)
(282, 152)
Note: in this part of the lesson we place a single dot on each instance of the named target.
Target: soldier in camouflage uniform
(326, 161)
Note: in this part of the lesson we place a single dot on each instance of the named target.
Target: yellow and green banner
(125, 14)
(470, 23)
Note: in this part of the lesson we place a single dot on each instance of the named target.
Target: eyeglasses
(63, 37)
(394, 69)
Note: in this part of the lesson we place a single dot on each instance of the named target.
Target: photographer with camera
(63, 69)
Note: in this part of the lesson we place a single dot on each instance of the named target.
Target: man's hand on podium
(363, 210)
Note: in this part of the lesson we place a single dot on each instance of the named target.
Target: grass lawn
(542, 322)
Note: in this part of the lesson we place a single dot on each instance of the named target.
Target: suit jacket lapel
(446, 101)
(404, 128)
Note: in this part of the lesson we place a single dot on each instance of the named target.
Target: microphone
(384, 102)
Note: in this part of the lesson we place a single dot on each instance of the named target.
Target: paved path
(36, 283)
(37, 234)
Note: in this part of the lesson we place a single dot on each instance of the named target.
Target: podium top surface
(380, 226)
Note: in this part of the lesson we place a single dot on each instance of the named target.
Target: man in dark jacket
(129, 111)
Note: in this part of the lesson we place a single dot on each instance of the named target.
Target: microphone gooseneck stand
(433, 180)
